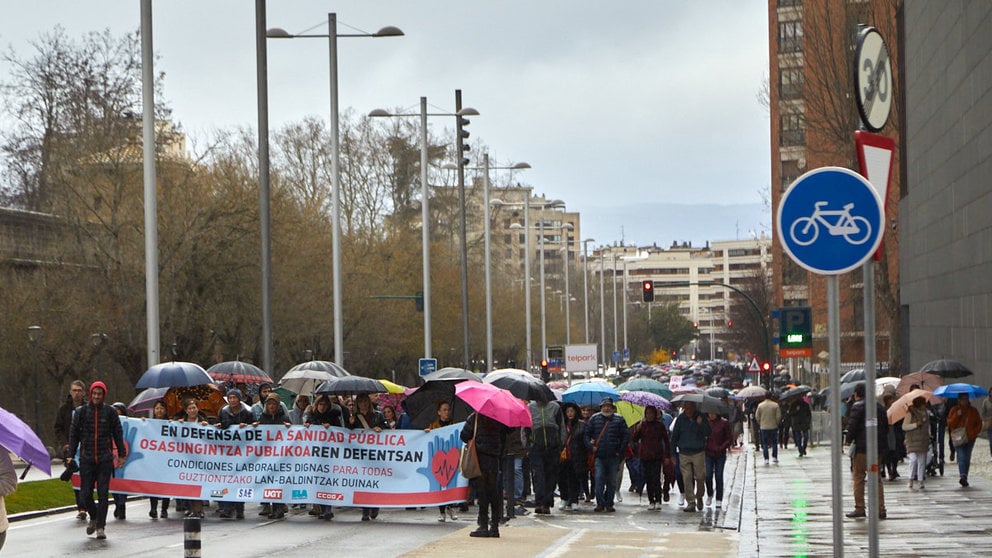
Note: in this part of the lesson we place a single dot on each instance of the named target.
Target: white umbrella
(882, 383)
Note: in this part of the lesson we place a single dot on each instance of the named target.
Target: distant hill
(665, 223)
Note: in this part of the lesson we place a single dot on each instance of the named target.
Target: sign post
(831, 221)
(427, 365)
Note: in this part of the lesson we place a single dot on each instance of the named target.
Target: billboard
(581, 358)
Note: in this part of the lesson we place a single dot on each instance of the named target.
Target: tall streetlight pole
(34, 335)
(265, 238)
(332, 48)
(150, 191)
(585, 284)
(425, 214)
(624, 301)
(616, 330)
(602, 306)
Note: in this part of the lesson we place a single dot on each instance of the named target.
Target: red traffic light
(766, 366)
(647, 290)
(544, 363)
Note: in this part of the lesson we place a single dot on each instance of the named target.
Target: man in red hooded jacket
(96, 430)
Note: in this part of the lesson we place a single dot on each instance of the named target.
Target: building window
(789, 3)
(790, 83)
(792, 130)
(790, 36)
(792, 273)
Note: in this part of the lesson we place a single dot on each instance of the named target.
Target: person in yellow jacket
(769, 415)
(964, 416)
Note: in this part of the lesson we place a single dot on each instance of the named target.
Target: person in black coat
(366, 418)
(856, 434)
(490, 446)
(573, 457)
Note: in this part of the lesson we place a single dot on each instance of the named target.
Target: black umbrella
(704, 403)
(853, 376)
(718, 392)
(321, 366)
(794, 392)
(846, 390)
(173, 374)
(521, 384)
(351, 385)
(451, 373)
(946, 368)
(421, 405)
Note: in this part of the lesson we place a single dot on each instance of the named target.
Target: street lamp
(602, 306)
(425, 204)
(332, 42)
(34, 335)
(585, 283)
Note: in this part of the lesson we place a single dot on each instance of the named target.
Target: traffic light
(545, 376)
(647, 290)
(795, 337)
(463, 134)
(766, 366)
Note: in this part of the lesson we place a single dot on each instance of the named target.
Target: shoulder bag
(468, 463)
(591, 457)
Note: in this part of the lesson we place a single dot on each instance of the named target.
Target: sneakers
(709, 501)
(775, 460)
(91, 527)
(681, 500)
(81, 515)
(100, 534)
(766, 462)
(719, 504)
(652, 506)
(442, 518)
(910, 484)
(451, 513)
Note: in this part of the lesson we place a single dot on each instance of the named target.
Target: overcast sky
(620, 107)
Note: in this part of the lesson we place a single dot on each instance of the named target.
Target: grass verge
(40, 495)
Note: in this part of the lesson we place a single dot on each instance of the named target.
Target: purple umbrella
(644, 398)
(145, 401)
(18, 437)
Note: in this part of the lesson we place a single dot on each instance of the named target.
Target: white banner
(581, 358)
(392, 468)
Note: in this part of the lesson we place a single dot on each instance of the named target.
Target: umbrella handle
(26, 469)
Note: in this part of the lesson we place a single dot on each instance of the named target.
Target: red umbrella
(238, 372)
(495, 403)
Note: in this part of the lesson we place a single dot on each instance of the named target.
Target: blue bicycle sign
(830, 220)
(855, 229)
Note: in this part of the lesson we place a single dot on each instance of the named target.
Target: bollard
(191, 537)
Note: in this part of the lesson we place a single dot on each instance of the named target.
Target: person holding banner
(191, 414)
(273, 412)
(366, 418)
(490, 445)
(159, 412)
(235, 412)
(443, 419)
(326, 413)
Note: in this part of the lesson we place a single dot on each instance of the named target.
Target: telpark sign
(581, 358)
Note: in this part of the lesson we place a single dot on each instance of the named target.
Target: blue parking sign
(830, 220)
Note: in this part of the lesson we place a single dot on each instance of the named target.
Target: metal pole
(836, 443)
(262, 79)
(712, 327)
(871, 409)
(585, 287)
(602, 307)
(464, 241)
(544, 323)
(151, 201)
(489, 298)
(624, 302)
(527, 274)
(616, 330)
(425, 214)
(568, 315)
(332, 45)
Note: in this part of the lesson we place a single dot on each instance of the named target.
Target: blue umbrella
(953, 390)
(174, 374)
(589, 393)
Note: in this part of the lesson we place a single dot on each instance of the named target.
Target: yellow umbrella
(391, 387)
(630, 412)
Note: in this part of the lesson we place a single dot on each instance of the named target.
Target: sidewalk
(787, 509)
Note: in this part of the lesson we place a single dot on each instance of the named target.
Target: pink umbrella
(900, 407)
(495, 403)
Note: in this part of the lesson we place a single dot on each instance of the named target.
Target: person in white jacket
(8, 484)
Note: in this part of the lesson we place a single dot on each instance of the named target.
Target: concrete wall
(945, 223)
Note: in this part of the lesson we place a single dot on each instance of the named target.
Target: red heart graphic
(444, 464)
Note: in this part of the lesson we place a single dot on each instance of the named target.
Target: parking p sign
(830, 220)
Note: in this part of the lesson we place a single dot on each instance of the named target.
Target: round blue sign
(831, 220)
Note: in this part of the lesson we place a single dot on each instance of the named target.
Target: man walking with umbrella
(95, 431)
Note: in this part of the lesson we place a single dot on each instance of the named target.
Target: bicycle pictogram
(855, 229)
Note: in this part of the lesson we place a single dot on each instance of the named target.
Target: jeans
(513, 482)
(918, 466)
(963, 453)
(714, 469)
(769, 438)
(606, 480)
(96, 474)
(636, 474)
(802, 439)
